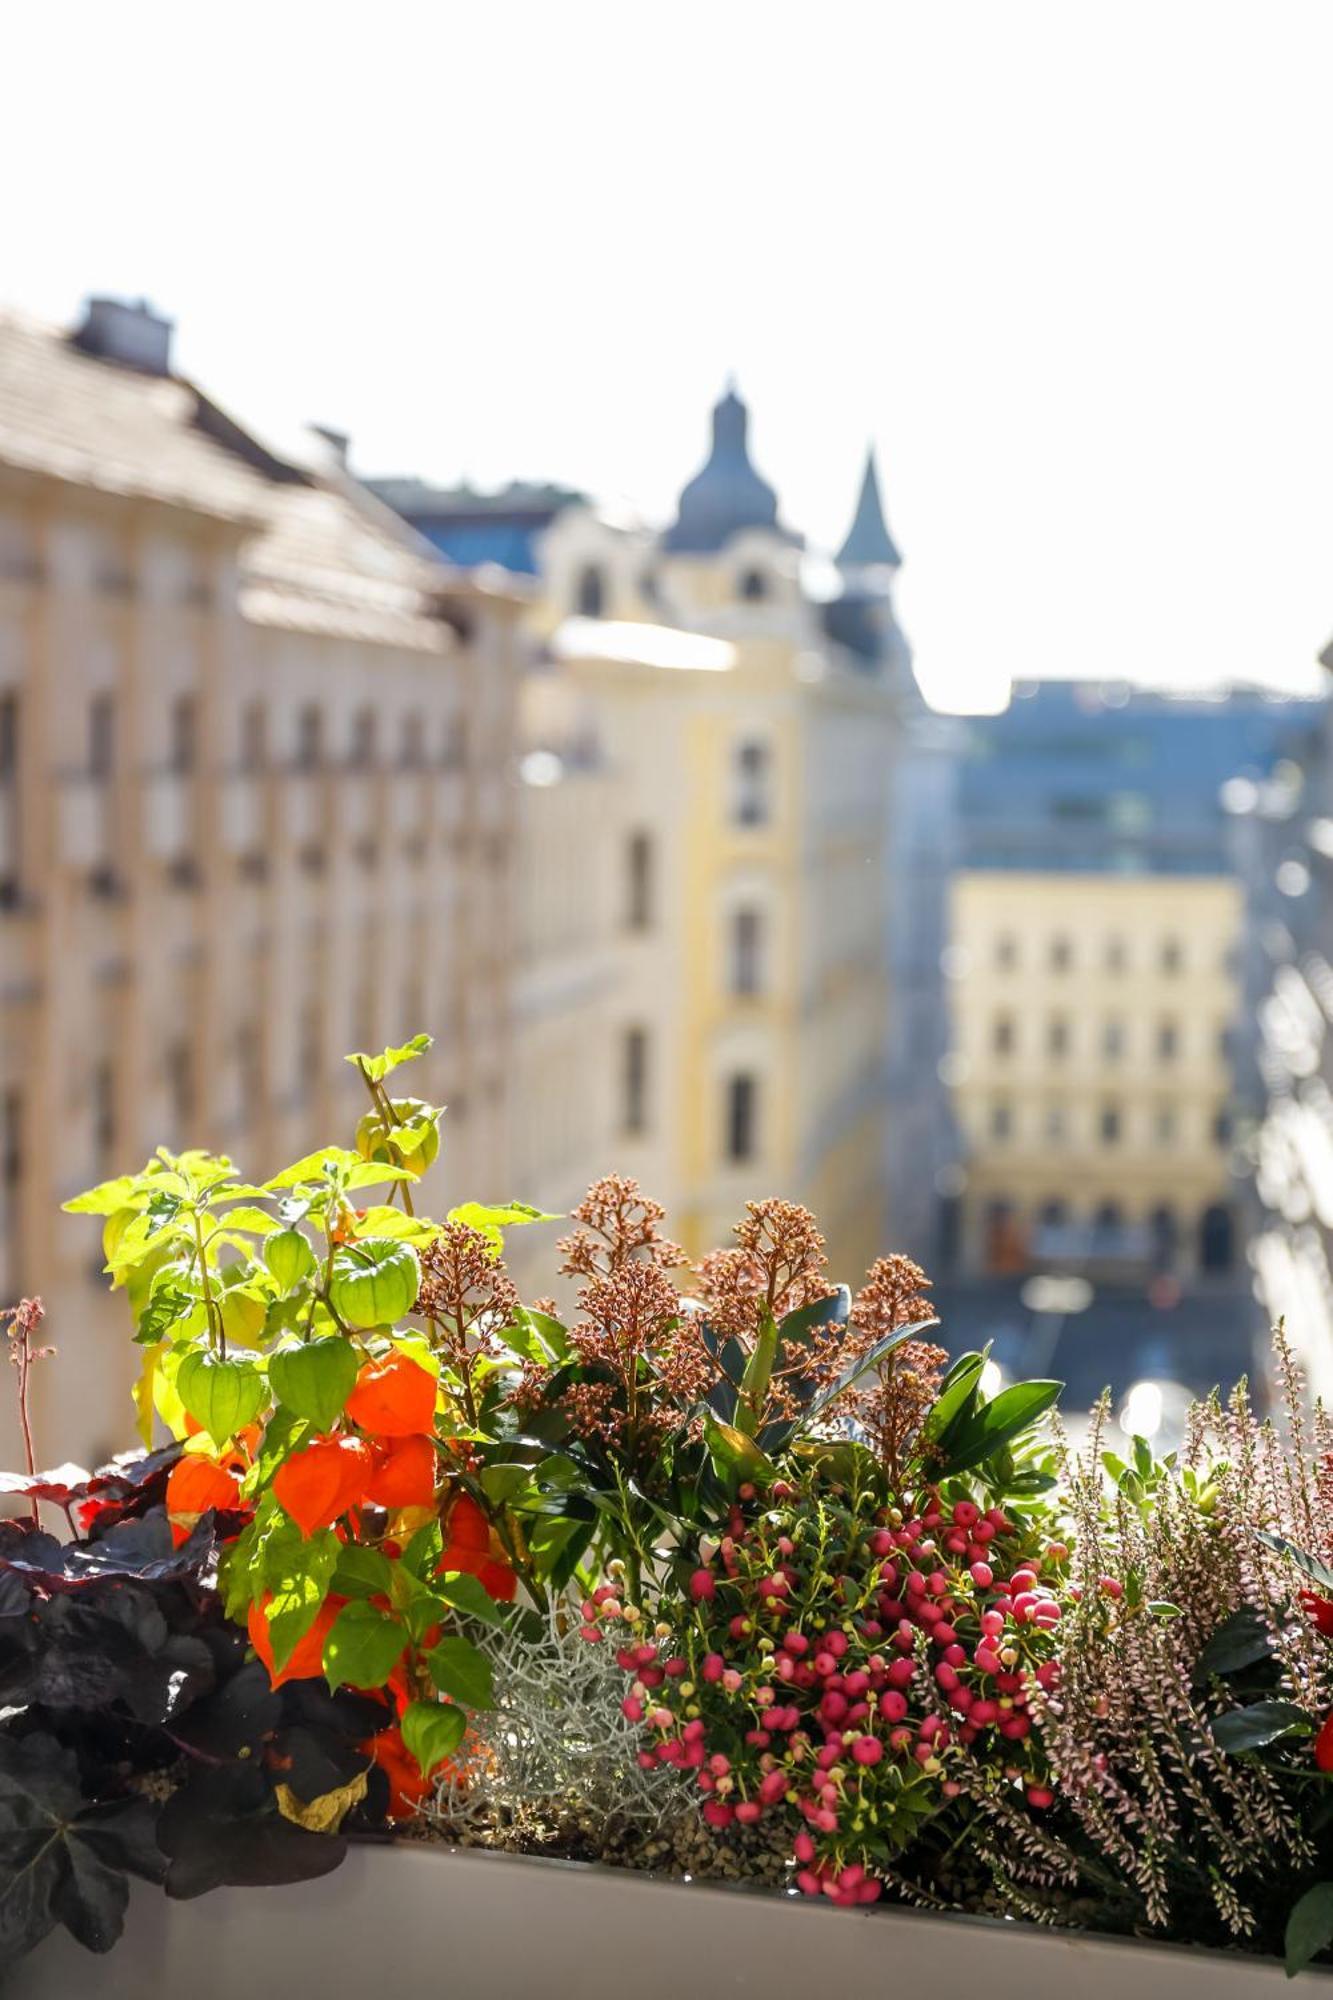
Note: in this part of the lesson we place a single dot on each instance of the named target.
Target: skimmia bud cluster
(853, 1668)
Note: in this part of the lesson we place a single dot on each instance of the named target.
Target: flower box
(414, 1918)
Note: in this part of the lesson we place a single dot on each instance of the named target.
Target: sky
(1066, 264)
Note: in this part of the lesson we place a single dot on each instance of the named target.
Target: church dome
(727, 495)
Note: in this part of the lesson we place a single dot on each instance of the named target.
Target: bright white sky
(1068, 264)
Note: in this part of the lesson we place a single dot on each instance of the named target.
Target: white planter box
(416, 1920)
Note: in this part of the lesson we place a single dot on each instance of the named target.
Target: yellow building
(1090, 1067)
(256, 809)
(746, 729)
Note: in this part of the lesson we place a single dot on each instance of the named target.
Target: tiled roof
(319, 553)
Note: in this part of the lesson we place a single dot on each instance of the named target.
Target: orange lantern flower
(407, 1787)
(393, 1397)
(196, 1483)
(320, 1482)
(403, 1472)
(472, 1546)
(307, 1658)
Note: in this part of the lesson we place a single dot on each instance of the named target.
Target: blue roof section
(471, 528)
(727, 494)
(1084, 778)
(869, 545)
(511, 544)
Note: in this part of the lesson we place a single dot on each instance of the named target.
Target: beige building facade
(256, 809)
(1091, 1068)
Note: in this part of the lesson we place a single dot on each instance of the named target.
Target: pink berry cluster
(835, 1663)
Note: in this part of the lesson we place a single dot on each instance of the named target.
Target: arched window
(1002, 1034)
(1165, 1232)
(635, 1081)
(1061, 954)
(747, 951)
(753, 783)
(1216, 1233)
(1108, 1125)
(364, 731)
(1053, 1214)
(590, 596)
(742, 1117)
(1108, 1221)
(753, 585)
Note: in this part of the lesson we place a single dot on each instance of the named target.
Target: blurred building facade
(1283, 839)
(1096, 948)
(712, 728)
(256, 809)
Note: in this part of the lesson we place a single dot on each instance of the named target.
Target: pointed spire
(869, 545)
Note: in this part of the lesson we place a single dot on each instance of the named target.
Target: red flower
(407, 1787)
(321, 1482)
(403, 1472)
(1319, 1610)
(307, 1659)
(196, 1483)
(393, 1397)
(473, 1547)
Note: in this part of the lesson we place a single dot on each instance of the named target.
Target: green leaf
(223, 1393)
(107, 1198)
(243, 1313)
(994, 1424)
(363, 1572)
(1262, 1722)
(758, 1373)
(315, 1379)
(381, 1220)
(467, 1593)
(388, 1060)
(374, 1281)
(332, 1162)
(1241, 1640)
(459, 1669)
(424, 1549)
(500, 1214)
(363, 1647)
(536, 1336)
(735, 1456)
(249, 1221)
(957, 1395)
(1309, 1927)
(870, 1360)
(299, 1593)
(168, 1304)
(432, 1731)
(1311, 1566)
(806, 1320)
(289, 1256)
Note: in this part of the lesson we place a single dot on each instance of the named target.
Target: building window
(753, 783)
(1172, 958)
(103, 1112)
(747, 941)
(1002, 1035)
(1164, 1125)
(361, 754)
(1056, 1125)
(102, 735)
(1108, 1125)
(184, 744)
(11, 1146)
(250, 1067)
(1061, 954)
(1163, 1232)
(753, 586)
(639, 882)
(1001, 1122)
(179, 1065)
(1006, 951)
(9, 738)
(410, 742)
(1113, 1040)
(1222, 1127)
(1115, 954)
(1215, 1238)
(453, 744)
(254, 736)
(1108, 1221)
(308, 1042)
(1168, 1041)
(1057, 1037)
(309, 738)
(635, 1081)
(742, 1117)
(1053, 1214)
(590, 596)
